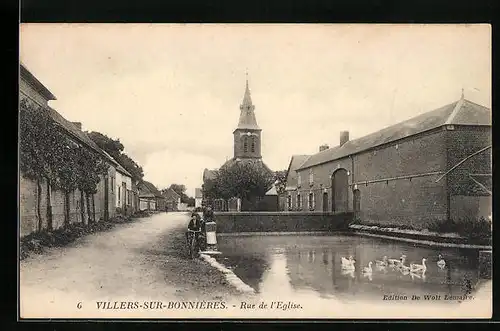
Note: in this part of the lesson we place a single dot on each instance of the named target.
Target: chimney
(78, 125)
(344, 137)
(323, 148)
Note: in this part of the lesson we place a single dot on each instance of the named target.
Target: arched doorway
(340, 186)
(356, 203)
(325, 202)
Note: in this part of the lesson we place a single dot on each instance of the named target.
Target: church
(247, 139)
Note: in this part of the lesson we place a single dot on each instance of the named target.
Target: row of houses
(118, 192)
(432, 167)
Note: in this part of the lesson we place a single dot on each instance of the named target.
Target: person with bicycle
(194, 229)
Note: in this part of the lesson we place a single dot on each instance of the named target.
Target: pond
(287, 265)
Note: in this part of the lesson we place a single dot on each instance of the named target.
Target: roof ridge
(455, 111)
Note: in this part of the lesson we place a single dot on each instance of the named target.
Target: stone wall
(228, 222)
(28, 194)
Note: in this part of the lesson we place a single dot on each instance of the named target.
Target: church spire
(247, 114)
(247, 99)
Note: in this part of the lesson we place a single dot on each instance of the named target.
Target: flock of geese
(414, 269)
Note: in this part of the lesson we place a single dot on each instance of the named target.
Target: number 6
(79, 305)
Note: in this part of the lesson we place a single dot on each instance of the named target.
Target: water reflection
(285, 265)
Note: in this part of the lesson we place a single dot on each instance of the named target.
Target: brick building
(52, 204)
(432, 167)
(292, 203)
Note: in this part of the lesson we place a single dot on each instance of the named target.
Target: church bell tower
(247, 136)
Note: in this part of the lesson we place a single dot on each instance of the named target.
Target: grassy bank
(471, 231)
(188, 275)
(37, 242)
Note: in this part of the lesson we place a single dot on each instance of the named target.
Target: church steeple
(247, 114)
(248, 133)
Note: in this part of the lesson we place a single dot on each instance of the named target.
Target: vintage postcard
(255, 171)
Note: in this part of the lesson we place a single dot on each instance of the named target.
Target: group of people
(197, 223)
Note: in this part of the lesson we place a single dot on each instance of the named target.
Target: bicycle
(193, 242)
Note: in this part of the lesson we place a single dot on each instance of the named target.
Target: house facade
(433, 167)
(198, 198)
(149, 197)
(54, 210)
(124, 192)
(172, 200)
(293, 198)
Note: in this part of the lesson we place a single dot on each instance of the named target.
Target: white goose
(368, 270)
(396, 262)
(348, 264)
(382, 263)
(441, 262)
(405, 270)
(414, 267)
(419, 276)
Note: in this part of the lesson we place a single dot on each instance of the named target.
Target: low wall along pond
(230, 222)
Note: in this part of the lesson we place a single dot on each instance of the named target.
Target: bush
(471, 228)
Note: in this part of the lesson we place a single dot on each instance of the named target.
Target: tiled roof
(39, 87)
(462, 112)
(272, 191)
(151, 188)
(295, 163)
(170, 193)
(118, 167)
(76, 133)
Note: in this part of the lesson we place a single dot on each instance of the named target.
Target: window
(289, 202)
(299, 204)
(311, 201)
(299, 180)
(253, 144)
(311, 177)
(245, 144)
(112, 184)
(119, 194)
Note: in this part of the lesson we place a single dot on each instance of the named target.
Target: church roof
(462, 112)
(247, 115)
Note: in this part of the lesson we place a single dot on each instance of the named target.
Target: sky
(171, 92)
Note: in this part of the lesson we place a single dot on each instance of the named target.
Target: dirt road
(146, 259)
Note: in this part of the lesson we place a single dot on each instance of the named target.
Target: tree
(115, 148)
(131, 166)
(280, 181)
(178, 188)
(181, 190)
(246, 180)
(47, 153)
(112, 146)
(37, 134)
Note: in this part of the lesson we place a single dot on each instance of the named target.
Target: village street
(145, 259)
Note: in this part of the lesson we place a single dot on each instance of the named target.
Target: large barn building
(432, 167)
